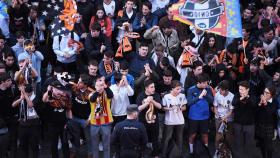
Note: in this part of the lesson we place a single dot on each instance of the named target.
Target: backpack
(60, 37)
(72, 41)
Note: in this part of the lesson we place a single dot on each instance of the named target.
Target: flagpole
(244, 51)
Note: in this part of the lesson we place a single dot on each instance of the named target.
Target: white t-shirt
(129, 14)
(223, 104)
(110, 8)
(120, 100)
(174, 116)
(158, 4)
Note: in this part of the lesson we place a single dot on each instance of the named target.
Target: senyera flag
(217, 16)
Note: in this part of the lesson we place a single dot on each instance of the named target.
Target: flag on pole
(69, 14)
(4, 9)
(57, 27)
(49, 9)
(221, 17)
(64, 23)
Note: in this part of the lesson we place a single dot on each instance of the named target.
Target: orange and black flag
(64, 23)
(221, 17)
(69, 14)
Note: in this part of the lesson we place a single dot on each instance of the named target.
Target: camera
(256, 61)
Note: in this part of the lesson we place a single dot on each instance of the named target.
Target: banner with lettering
(217, 16)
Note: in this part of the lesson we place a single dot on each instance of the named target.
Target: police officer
(130, 136)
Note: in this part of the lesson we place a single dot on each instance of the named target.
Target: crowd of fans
(181, 78)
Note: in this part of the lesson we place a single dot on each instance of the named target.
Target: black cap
(132, 108)
(58, 85)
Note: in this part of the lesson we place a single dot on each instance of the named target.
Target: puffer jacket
(158, 37)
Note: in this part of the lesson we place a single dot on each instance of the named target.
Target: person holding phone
(58, 109)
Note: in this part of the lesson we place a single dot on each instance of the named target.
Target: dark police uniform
(130, 138)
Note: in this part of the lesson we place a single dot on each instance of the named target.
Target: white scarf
(26, 112)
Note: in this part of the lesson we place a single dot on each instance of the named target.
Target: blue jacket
(199, 108)
(151, 20)
(137, 64)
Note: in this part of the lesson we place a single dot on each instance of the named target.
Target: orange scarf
(72, 42)
(187, 59)
(108, 68)
(222, 56)
(62, 102)
(100, 104)
(241, 58)
(125, 45)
